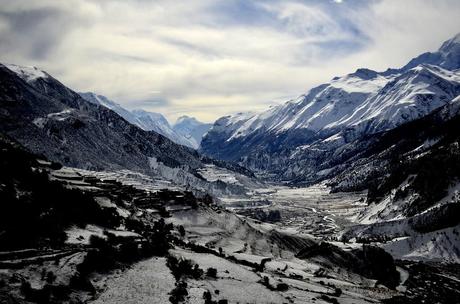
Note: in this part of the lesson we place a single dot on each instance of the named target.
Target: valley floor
(254, 244)
(310, 210)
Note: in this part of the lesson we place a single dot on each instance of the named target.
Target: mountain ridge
(149, 121)
(50, 119)
(299, 133)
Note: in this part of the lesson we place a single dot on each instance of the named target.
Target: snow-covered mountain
(192, 129)
(300, 139)
(149, 121)
(152, 121)
(104, 101)
(50, 119)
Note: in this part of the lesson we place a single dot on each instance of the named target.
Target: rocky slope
(50, 119)
(412, 176)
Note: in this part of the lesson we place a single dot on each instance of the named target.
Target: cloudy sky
(208, 58)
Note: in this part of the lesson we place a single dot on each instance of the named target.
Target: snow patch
(27, 73)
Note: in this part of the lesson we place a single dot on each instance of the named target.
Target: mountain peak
(364, 73)
(186, 118)
(191, 128)
(146, 115)
(447, 57)
(450, 44)
(27, 73)
(101, 100)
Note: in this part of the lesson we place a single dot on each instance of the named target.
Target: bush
(97, 241)
(329, 299)
(163, 212)
(337, 292)
(158, 239)
(80, 282)
(129, 252)
(179, 293)
(50, 277)
(266, 282)
(183, 267)
(55, 166)
(181, 231)
(35, 295)
(207, 296)
(197, 272)
(211, 272)
(282, 287)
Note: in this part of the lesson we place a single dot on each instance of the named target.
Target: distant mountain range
(187, 131)
(191, 129)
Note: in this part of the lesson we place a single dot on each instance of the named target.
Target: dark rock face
(425, 153)
(34, 210)
(425, 284)
(370, 261)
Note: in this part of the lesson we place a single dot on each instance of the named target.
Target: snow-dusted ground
(28, 73)
(235, 282)
(147, 282)
(307, 215)
(441, 245)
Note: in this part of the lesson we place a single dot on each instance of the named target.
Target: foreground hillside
(126, 243)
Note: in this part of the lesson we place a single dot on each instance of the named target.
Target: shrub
(329, 299)
(207, 296)
(129, 252)
(282, 287)
(181, 231)
(163, 212)
(197, 272)
(50, 277)
(97, 241)
(179, 293)
(183, 267)
(211, 272)
(337, 292)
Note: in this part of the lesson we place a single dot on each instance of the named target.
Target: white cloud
(209, 58)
